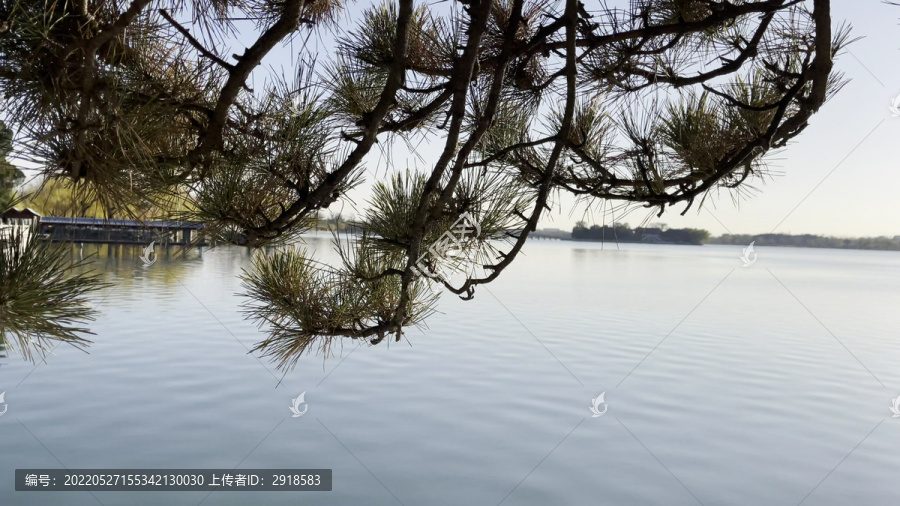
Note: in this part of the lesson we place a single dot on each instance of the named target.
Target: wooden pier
(96, 230)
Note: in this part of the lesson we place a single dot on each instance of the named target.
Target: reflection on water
(122, 264)
(121, 258)
(729, 384)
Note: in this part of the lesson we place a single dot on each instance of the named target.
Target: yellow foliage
(61, 197)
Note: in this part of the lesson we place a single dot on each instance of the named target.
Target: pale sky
(842, 164)
(838, 178)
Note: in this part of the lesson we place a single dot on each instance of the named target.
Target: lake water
(769, 384)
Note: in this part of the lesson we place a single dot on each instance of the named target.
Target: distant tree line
(622, 232)
(660, 234)
(10, 176)
(810, 241)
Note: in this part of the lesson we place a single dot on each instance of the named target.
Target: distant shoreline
(620, 241)
(625, 235)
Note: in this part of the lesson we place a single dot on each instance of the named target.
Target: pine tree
(661, 103)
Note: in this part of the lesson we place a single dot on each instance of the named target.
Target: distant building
(17, 223)
(651, 235)
(15, 216)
